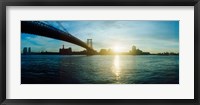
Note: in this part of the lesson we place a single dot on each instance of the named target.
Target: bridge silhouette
(45, 30)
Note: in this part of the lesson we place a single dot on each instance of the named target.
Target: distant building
(110, 51)
(106, 52)
(29, 50)
(25, 50)
(64, 51)
(134, 49)
(146, 53)
(139, 52)
(103, 51)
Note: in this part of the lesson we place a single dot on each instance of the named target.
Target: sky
(120, 35)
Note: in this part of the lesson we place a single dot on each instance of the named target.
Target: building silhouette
(64, 51)
(25, 50)
(134, 49)
(103, 51)
(29, 50)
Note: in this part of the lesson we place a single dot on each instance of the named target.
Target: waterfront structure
(64, 51)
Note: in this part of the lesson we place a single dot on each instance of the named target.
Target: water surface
(99, 69)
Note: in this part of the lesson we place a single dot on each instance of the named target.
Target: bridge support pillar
(89, 42)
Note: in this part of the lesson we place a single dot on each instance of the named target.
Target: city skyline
(149, 36)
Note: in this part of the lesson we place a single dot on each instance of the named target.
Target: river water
(99, 69)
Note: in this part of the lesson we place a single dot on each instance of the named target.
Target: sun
(117, 49)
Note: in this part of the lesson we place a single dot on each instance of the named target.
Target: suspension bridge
(46, 30)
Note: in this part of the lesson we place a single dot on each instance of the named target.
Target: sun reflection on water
(116, 67)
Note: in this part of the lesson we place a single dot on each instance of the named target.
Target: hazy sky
(148, 36)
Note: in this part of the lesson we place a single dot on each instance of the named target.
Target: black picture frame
(5, 3)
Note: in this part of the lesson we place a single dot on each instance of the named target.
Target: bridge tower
(89, 42)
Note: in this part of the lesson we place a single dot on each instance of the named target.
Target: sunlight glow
(117, 48)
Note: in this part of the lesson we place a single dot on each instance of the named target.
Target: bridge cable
(62, 26)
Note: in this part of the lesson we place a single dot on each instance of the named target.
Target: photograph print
(100, 52)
